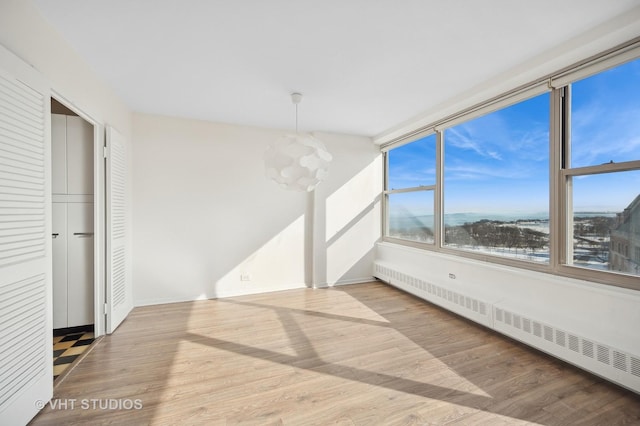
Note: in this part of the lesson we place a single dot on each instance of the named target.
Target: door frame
(99, 221)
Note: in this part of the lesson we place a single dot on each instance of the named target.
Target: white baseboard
(240, 291)
(361, 280)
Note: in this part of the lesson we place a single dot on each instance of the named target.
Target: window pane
(411, 216)
(606, 221)
(413, 164)
(496, 182)
(605, 117)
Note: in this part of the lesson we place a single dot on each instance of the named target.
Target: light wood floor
(363, 354)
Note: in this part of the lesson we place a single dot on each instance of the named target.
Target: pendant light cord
(296, 98)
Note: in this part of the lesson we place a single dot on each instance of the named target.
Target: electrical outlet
(245, 276)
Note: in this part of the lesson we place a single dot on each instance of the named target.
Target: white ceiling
(362, 65)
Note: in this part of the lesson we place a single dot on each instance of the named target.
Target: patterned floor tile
(68, 345)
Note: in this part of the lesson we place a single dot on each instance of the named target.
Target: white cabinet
(72, 264)
(73, 240)
(79, 156)
(80, 264)
(71, 155)
(59, 154)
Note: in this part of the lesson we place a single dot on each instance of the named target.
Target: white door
(119, 286)
(26, 348)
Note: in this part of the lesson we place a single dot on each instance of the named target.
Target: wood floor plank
(364, 354)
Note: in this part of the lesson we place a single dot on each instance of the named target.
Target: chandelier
(299, 161)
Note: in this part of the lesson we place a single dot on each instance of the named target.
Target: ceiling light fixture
(299, 161)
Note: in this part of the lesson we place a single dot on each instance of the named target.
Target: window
(496, 182)
(410, 191)
(602, 169)
(546, 177)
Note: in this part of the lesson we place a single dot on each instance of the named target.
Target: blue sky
(498, 163)
(606, 127)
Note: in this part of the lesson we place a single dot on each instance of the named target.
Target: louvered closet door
(26, 370)
(119, 288)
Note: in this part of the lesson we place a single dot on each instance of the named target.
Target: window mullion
(385, 196)
(556, 186)
(566, 183)
(439, 194)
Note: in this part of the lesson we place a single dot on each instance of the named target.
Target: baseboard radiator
(598, 358)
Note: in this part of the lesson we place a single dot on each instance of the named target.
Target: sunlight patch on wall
(277, 265)
(352, 199)
(352, 222)
(354, 243)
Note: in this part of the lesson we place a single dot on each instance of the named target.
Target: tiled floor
(68, 347)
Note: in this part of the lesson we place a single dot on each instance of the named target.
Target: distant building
(624, 249)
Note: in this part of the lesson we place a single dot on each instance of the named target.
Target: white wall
(347, 212)
(205, 212)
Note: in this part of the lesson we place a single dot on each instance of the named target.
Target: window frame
(508, 101)
(560, 177)
(565, 173)
(435, 188)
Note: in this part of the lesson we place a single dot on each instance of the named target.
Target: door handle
(55, 235)
(83, 234)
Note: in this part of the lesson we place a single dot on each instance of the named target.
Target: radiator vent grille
(574, 343)
(420, 287)
(635, 366)
(537, 329)
(587, 348)
(593, 350)
(517, 321)
(603, 354)
(620, 361)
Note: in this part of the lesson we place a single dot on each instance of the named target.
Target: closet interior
(72, 220)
